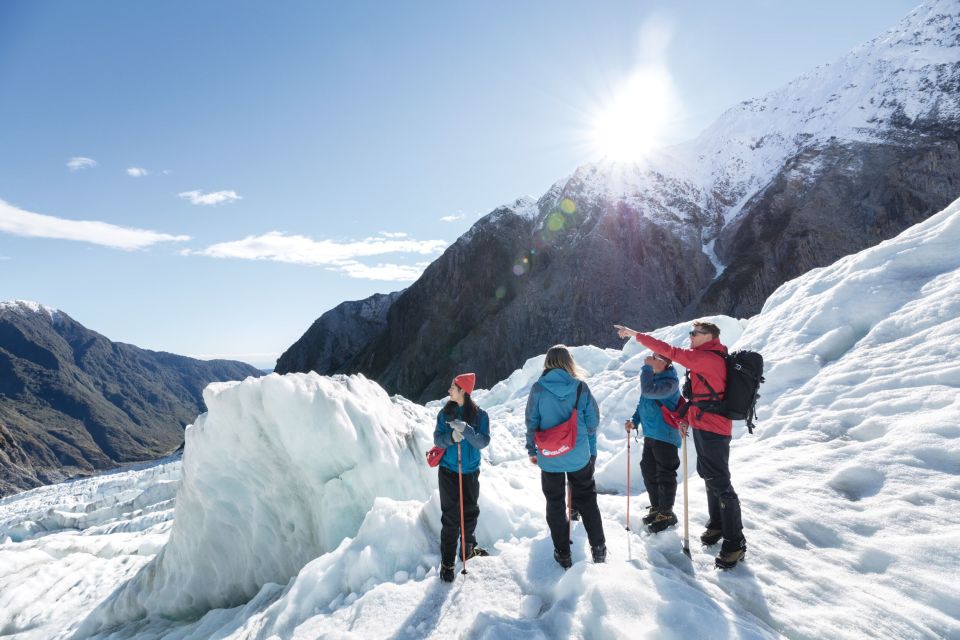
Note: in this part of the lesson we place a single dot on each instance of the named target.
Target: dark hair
(708, 327)
(469, 409)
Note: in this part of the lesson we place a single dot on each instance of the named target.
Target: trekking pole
(629, 545)
(570, 511)
(628, 481)
(686, 511)
(463, 533)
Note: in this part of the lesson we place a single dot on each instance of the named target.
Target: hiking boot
(446, 573)
(473, 551)
(648, 519)
(564, 560)
(711, 537)
(599, 553)
(729, 559)
(663, 520)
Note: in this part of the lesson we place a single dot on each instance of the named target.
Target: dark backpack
(739, 401)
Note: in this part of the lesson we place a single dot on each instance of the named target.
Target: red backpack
(561, 439)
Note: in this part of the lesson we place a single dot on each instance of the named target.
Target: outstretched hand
(625, 332)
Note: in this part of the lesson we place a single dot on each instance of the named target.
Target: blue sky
(247, 166)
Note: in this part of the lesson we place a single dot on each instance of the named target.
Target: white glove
(458, 426)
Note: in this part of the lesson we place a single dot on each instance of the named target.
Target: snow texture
(304, 508)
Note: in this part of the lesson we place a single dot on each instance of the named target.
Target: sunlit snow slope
(850, 492)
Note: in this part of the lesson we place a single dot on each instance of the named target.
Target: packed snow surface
(303, 508)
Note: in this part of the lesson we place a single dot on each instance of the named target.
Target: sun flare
(633, 121)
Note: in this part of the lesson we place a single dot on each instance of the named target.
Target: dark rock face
(523, 284)
(857, 196)
(72, 401)
(338, 335)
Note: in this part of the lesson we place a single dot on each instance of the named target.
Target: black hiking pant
(713, 465)
(658, 465)
(585, 499)
(450, 511)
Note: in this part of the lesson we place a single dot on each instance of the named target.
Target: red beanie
(466, 381)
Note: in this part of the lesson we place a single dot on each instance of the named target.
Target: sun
(633, 121)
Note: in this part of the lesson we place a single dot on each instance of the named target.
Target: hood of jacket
(560, 384)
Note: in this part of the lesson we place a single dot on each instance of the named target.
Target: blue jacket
(663, 387)
(550, 404)
(475, 437)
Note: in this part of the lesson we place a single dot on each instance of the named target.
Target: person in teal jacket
(460, 422)
(659, 387)
(551, 402)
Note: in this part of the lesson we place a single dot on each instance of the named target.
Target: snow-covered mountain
(835, 161)
(850, 493)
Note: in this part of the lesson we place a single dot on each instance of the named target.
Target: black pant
(450, 511)
(584, 497)
(659, 464)
(713, 465)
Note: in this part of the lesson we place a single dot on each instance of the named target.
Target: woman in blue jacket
(460, 421)
(551, 403)
(659, 387)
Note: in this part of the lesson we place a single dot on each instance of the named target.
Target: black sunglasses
(703, 333)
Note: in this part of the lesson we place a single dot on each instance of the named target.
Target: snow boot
(663, 520)
(648, 519)
(446, 573)
(711, 537)
(473, 551)
(729, 559)
(599, 553)
(565, 561)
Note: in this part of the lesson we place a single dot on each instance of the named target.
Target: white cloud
(136, 172)
(338, 256)
(452, 218)
(79, 162)
(214, 197)
(394, 234)
(391, 272)
(37, 225)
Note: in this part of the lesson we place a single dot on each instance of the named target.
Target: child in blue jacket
(659, 387)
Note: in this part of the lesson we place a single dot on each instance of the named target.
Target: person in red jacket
(707, 371)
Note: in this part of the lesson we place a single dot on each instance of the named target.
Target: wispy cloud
(338, 256)
(389, 272)
(214, 197)
(136, 172)
(79, 162)
(452, 218)
(37, 225)
(394, 234)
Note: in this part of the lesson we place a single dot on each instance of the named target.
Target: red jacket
(710, 366)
